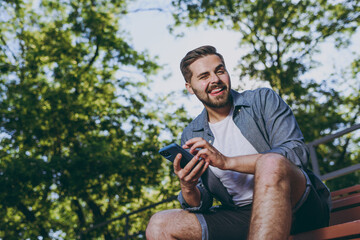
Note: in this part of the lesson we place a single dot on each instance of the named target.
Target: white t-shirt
(230, 142)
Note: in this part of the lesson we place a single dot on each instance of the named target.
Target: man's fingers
(203, 153)
(196, 172)
(190, 143)
(176, 163)
(201, 144)
(207, 164)
(191, 164)
(192, 171)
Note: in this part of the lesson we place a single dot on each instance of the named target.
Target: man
(249, 154)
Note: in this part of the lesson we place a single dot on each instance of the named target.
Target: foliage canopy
(79, 131)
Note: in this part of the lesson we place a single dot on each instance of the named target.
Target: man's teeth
(216, 90)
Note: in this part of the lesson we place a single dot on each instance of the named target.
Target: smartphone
(170, 152)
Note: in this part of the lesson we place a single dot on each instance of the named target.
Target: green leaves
(80, 135)
(281, 35)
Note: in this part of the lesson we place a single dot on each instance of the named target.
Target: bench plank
(345, 191)
(346, 202)
(346, 215)
(348, 229)
(345, 205)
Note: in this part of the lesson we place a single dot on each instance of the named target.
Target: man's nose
(214, 78)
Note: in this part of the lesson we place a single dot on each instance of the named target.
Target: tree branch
(30, 216)
(98, 216)
(8, 48)
(144, 10)
(78, 210)
(92, 60)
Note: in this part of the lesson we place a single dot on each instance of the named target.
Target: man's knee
(173, 224)
(157, 225)
(272, 169)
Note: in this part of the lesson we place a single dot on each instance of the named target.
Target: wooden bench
(346, 205)
(344, 217)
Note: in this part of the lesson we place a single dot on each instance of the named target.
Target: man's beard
(219, 101)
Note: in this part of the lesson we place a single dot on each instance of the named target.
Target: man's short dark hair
(194, 55)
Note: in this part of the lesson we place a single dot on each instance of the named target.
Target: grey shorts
(233, 223)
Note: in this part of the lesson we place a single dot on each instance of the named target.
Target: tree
(80, 134)
(280, 39)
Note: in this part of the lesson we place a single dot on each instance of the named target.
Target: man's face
(210, 81)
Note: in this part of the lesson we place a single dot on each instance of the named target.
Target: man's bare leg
(279, 185)
(173, 224)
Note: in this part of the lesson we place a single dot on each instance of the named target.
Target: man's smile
(216, 91)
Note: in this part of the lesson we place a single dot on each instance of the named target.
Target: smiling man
(211, 94)
(249, 154)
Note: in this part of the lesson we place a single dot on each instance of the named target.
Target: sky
(148, 31)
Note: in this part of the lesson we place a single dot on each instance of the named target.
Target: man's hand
(207, 152)
(190, 174)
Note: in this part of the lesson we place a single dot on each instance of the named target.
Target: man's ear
(189, 88)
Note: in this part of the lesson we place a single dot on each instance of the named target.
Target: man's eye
(220, 71)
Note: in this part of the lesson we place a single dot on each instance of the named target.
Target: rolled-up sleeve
(205, 203)
(284, 134)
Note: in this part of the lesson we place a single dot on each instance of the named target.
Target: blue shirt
(268, 123)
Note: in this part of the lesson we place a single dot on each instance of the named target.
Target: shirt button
(210, 141)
